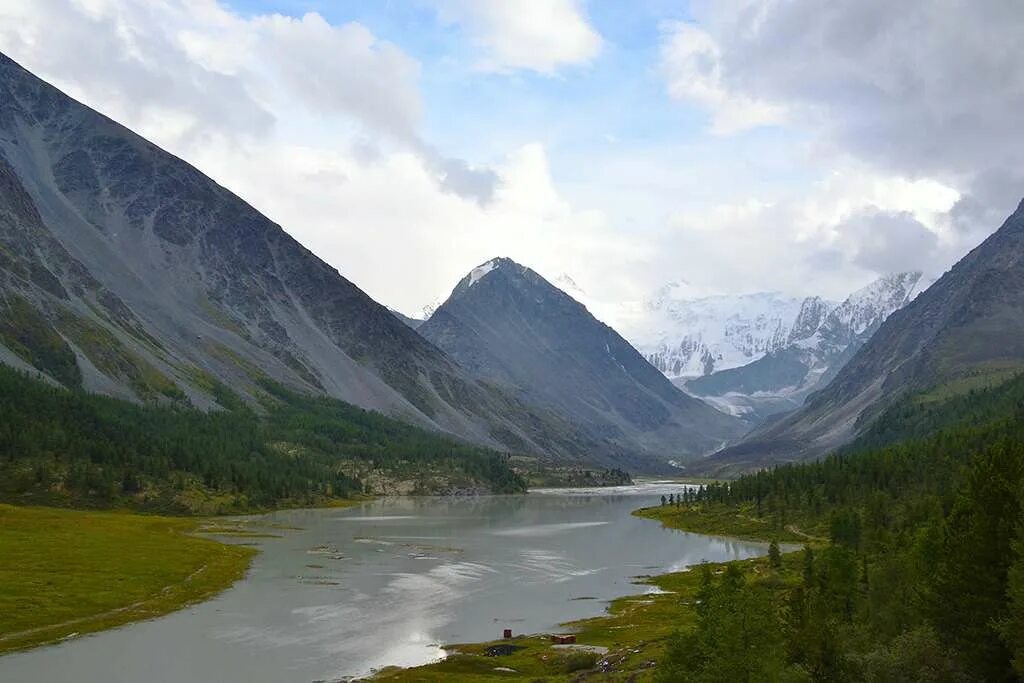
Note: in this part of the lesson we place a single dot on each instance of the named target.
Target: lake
(343, 592)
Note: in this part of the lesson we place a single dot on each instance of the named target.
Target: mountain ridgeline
(964, 332)
(507, 325)
(125, 271)
(820, 341)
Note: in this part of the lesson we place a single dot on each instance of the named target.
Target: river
(342, 592)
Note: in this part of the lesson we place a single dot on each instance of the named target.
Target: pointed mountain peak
(813, 312)
(892, 290)
(511, 327)
(501, 264)
(865, 309)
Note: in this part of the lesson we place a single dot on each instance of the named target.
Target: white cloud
(335, 158)
(539, 35)
(125, 59)
(180, 70)
(691, 62)
(341, 69)
(888, 241)
(915, 88)
(320, 127)
(389, 229)
(828, 241)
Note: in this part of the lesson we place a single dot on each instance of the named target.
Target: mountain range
(964, 332)
(687, 337)
(125, 271)
(507, 325)
(820, 340)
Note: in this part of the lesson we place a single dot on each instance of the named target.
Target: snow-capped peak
(870, 305)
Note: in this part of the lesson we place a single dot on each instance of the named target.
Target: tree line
(70, 447)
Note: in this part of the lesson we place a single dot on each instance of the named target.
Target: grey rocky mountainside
(126, 271)
(965, 330)
(822, 339)
(505, 324)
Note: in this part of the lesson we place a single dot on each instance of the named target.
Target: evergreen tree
(1012, 625)
(774, 556)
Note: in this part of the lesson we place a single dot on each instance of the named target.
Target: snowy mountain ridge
(687, 338)
(821, 340)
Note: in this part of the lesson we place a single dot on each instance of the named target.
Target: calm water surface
(387, 583)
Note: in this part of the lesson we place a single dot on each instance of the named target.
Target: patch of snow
(565, 283)
(429, 309)
(479, 272)
(729, 404)
(875, 302)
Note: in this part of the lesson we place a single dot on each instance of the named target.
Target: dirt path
(103, 615)
(794, 529)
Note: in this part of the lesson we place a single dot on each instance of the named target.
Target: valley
(714, 369)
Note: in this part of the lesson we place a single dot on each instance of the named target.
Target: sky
(729, 145)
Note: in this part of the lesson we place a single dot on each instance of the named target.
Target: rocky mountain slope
(820, 341)
(125, 271)
(965, 330)
(506, 324)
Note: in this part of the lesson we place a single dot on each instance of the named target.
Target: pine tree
(808, 572)
(774, 556)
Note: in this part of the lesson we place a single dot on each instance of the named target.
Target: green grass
(33, 339)
(65, 572)
(978, 378)
(736, 522)
(636, 628)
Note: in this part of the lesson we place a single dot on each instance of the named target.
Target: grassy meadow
(68, 572)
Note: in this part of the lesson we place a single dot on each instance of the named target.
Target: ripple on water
(545, 529)
(545, 566)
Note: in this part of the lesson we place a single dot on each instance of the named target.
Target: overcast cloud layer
(738, 145)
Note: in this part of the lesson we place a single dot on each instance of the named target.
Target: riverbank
(740, 522)
(65, 573)
(627, 642)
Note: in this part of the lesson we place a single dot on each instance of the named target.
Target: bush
(579, 661)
